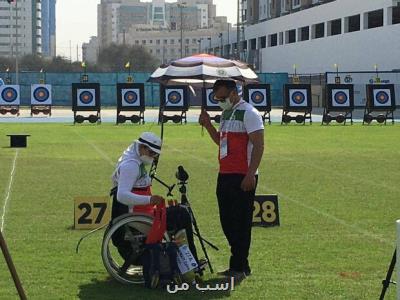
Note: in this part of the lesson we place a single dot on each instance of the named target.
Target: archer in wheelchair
(143, 241)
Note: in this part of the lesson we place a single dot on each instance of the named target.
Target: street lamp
(181, 6)
(209, 47)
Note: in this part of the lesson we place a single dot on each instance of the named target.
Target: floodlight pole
(11, 267)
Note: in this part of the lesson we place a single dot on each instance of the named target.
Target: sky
(77, 22)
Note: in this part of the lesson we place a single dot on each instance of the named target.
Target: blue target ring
(340, 97)
(9, 94)
(41, 94)
(130, 97)
(382, 97)
(174, 97)
(257, 97)
(298, 97)
(86, 97)
(211, 98)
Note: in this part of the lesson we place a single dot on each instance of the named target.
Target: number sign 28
(266, 211)
(91, 212)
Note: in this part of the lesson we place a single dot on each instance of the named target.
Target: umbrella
(201, 68)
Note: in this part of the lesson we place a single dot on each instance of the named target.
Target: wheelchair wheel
(136, 228)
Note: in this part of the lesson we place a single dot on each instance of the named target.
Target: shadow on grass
(111, 289)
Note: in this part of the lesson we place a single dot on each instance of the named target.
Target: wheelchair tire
(140, 223)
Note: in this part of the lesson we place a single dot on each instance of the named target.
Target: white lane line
(97, 149)
(8, 192)
(302, 204)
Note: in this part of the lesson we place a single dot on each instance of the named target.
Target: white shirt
(129, 174)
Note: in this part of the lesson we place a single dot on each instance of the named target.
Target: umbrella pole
(202, 109)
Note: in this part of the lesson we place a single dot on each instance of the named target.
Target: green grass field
(339, 198)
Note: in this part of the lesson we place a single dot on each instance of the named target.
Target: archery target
(130, 97)
(41, 94)
(174, 97)
(298, 97)
(210, 98)
(258, 97)
(382, 97)
(9, 95)
(340, 98)
(86, 97)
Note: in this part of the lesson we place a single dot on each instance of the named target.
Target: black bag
(160, 266)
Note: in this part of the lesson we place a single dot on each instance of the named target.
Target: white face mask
(227, 105)
(147, 160)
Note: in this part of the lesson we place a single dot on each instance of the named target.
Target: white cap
(150, 140)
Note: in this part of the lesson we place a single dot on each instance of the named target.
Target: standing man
(241, 146)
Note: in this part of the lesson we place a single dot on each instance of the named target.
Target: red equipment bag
(159, 226)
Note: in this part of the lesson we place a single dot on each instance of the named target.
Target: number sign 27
(91, 212)
(266, 211)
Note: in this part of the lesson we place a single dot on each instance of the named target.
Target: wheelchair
(136, 227)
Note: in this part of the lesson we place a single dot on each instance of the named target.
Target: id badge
(223, 152)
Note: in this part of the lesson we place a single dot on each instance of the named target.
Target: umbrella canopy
(203, 67)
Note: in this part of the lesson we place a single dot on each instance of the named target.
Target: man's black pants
(236, 215)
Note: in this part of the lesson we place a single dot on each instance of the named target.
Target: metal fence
(61, 86)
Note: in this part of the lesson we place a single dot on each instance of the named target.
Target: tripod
(183, 176)
(387, 281)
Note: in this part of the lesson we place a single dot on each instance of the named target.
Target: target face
(258, 97)
(41, 94)
(174, 97)
(86, 97)
(382, 97)
(340, 98)
(298, 98)
(9, 95)
(210, 98)
(130, 97)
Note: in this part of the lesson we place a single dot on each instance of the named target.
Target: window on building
(318, 30)
(172, 41)
(143, 42)
(296, 4)
(290, 36)
(273, 40)
(263, 42)
(253, 44)
(194, 41)
(165, 42)
(304, 33)
(335, 27)
(158, 42)
(136, 42)
(353, 24)
(194, 50)
(151, 51)
(396, 15)
(158, 51)
(374, 19)
(151, 41)
(280, 38)
(187, 41)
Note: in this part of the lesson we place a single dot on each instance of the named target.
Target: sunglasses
(151, 152)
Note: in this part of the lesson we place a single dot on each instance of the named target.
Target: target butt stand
(297, 99)
(259, 95)
(380, 105)
(339, 104)
(86, 98)
(173, 99)
(41, 98)
(10, 99)
(210, 104)
(130, 98)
